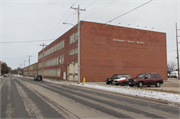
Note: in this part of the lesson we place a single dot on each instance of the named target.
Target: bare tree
(171, 67)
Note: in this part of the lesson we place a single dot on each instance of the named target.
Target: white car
(121, 80)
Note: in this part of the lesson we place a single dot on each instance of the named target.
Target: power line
(100, 9)
(26, 34)
(81, 2)
(130, 11)
(26, 41)
(119, 16)
(58, 22)
(29, 22)
(90, 4)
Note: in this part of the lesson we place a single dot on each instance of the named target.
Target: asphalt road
(25, 98)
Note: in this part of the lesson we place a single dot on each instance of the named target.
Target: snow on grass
(137, 92)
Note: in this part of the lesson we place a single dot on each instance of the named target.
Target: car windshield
(39, 76)
(118, 76)
(140, 76)
(114, 76)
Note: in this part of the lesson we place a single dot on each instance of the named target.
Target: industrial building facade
(104, 50)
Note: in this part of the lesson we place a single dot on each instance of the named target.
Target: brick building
(31, 70)
(104, 50)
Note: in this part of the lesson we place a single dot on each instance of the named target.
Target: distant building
(105, 50)
(31, 70)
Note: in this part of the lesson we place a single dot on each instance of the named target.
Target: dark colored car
(117, 78)
(146, 79)
(5, 75)
(38, 78)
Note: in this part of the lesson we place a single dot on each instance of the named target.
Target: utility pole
(43, 59)
(24, 63)
(78, 11)
(29, 64)
(177, 49)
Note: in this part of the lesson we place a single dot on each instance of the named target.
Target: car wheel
(140, 84)
(123, 83)
(158, 84)
(107, 83)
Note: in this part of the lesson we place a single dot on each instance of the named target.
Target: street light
(78, 49)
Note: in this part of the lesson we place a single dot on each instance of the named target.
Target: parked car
(146, 79)
(38, 78)
(5, 75)
(118, 79)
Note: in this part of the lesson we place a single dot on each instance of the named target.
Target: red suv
(146, 79)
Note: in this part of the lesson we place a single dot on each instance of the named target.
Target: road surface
(26, 98)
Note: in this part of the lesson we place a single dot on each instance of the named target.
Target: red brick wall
(101, 57)
(64, 51)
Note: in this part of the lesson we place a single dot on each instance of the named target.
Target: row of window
(60, 45)
(55, 61)
(73, 38)
(53, 49)
(72, 52)
(51, 72)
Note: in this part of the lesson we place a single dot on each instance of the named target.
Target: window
(63, 44)
(57, 46)
(59, 73)
(154, 76)
(75, 51)
(76, 37)
(60, 45)
(148, 76)
(158, 75)
(71, 52)
(57, 61)
(71, 39)
(62, 59)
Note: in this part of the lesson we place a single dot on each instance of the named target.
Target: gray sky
(34, 20)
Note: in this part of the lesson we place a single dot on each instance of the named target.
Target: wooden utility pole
(43, 45)
(78, 11)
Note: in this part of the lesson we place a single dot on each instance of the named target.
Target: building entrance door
(73, 71)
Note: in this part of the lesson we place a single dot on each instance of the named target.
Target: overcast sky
(38, 20)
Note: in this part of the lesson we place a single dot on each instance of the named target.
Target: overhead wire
(27, 34)
(120, 16)
(90, 4)
(26, 41)
(81, 2)
(35, 21)
(58, 23)
(129, 11)
(100, 9)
